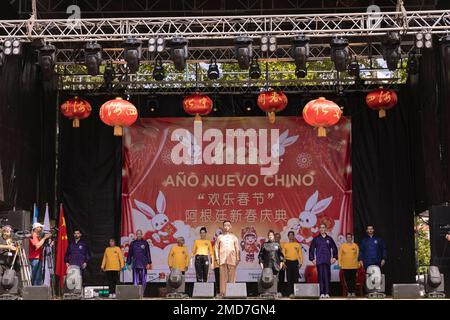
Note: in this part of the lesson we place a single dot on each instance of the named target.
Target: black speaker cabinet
(126, 292)
(36, 293)
(406, 291)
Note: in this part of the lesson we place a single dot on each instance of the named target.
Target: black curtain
(90, 181)
(27, 126)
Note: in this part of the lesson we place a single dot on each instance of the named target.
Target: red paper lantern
(118, 113)
(321, 113)
(197, 104)
(381, 100)
(76, 109)
(272, 101)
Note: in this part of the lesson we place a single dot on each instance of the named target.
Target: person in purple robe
(139, 259)
(77, 253)
(323, 252)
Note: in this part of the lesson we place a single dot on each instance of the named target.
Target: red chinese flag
(61, 247)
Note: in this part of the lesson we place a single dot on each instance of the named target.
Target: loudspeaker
(203, 290)
(406, 291)
(236, 290)
(36, 293)
(18, 220)
(125, 292)
(306, 290)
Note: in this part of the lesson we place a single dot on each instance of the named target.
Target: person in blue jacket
(77, 252)
(372, 250)
(139, 259)
(323, 252)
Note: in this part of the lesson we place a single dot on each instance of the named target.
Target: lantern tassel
(321, 132)
(381, 113)
(76, 123)
(271, 117)
(118, 131)
(198, 118)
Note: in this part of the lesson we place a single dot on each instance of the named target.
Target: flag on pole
(48, 263)
(35, 213)
(61, 247)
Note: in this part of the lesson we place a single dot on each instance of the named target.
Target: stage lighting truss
(93, 57)
(424, 40)
(268, 43)
(156, 45)
(132, 53)
(12, 47)
(46, 60)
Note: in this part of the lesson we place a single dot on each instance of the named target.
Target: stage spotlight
(353, 68)
(301, 72)
(158, 71)
(93, 57)
(156, 44)
(2, 56)
(300, 51)
(132, 53)
(391, 49)
(268, 44)
(12, 47)
(152, 104)
(254, 70)
(178, 52)
(243, 51)
(340, 54)
(176, 285)
(213, 70)
(46, 60)
(109, 75)
(424, 39)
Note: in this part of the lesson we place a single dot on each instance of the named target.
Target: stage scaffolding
(212, 38)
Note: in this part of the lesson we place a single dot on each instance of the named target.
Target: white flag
(48, 270)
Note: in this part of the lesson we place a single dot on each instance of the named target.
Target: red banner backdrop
(312, 184)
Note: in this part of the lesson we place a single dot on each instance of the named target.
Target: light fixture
(243, 51)
(109, 75)
(2, 56)
(254, 70)
(46, 60)
(152, 104)
(268, 44)
(158, 71)
(301, 72)
(12, 47)
(93, 57)
(391, 49)
(340, 53)
(300, 51)
(178, 52)
(156, 44)
(213, 70)
(424, 40)
(132, 53)
(353, 68)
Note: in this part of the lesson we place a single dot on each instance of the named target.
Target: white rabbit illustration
(193, 149)
(308, 218)
(279, 148)
(156, 222)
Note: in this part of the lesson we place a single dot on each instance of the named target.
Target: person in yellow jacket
(348, 262)
(202, 252)
(179, 256)
(293, 256)
(112, 263)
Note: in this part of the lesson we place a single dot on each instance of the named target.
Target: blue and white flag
(48, 264)
(35, 213)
